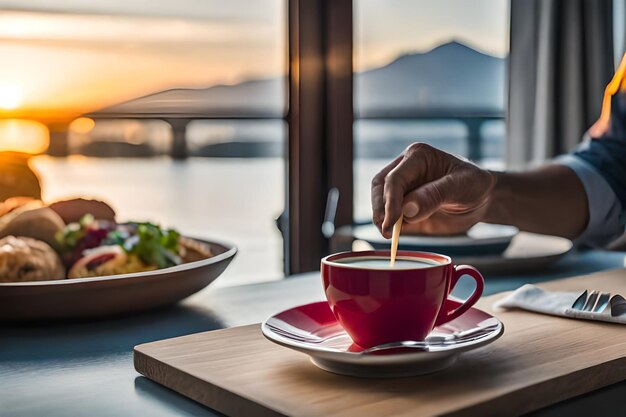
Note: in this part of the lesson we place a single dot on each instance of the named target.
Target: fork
(594, 301)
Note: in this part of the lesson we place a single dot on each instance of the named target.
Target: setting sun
(10, 97)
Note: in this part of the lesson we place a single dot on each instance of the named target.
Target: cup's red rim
(330, 260)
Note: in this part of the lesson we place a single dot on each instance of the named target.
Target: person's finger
(440, 224)
(421, 203)
(410, 208)
(416, 165)
(393, 194)
(377, 189)
(397, 182)
(430, 226)
(410, 173)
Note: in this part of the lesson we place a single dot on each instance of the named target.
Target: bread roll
(12, 203)
(73, 210)
(25, 259)
(13, 207)
(41, 224)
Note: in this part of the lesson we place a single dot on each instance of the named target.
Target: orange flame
(618, 83)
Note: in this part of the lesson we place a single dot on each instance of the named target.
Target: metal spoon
(484, 328)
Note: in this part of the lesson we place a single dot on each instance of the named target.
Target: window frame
(320, 119)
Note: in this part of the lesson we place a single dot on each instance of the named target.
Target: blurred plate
(482, 239)
(83, 298)
(528, 251)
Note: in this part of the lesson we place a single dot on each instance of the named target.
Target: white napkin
(557, 303)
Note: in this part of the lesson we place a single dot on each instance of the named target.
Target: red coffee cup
(376, 304)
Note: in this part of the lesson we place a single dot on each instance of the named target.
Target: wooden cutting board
(539, 361)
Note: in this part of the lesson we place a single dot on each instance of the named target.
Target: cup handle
(449, 312)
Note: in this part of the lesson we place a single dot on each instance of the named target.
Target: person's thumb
(423, 202)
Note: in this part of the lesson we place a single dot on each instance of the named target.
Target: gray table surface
(86, 368)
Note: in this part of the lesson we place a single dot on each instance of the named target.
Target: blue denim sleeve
(600, 163)
(601, 167)
(608, 156)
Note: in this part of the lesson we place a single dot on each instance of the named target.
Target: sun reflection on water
(25, 136)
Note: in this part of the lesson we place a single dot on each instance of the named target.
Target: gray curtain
(560, 61)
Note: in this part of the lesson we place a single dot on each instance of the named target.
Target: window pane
(140, 78)
(70, 57)
(493, 144)
(428, 71)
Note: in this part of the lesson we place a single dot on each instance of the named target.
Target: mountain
(449, 78)
(263, 98)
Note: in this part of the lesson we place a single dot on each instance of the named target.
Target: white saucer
(338, 354)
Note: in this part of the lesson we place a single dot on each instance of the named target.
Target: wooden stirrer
(395, 237)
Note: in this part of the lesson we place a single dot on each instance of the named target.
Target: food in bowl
(27, 259)
(107, 260)
(14, 206)
(42, 242)
(93, 247)
(41, 224)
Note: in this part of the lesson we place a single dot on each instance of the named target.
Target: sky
(385, 29)
(65, 57)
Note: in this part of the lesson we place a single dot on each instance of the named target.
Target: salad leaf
(154, 246)
(150, 243)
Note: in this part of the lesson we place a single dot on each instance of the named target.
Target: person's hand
(437, 192)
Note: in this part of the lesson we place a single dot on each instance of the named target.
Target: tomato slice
(99, 260)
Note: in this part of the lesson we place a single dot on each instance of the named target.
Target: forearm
(549, 200)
